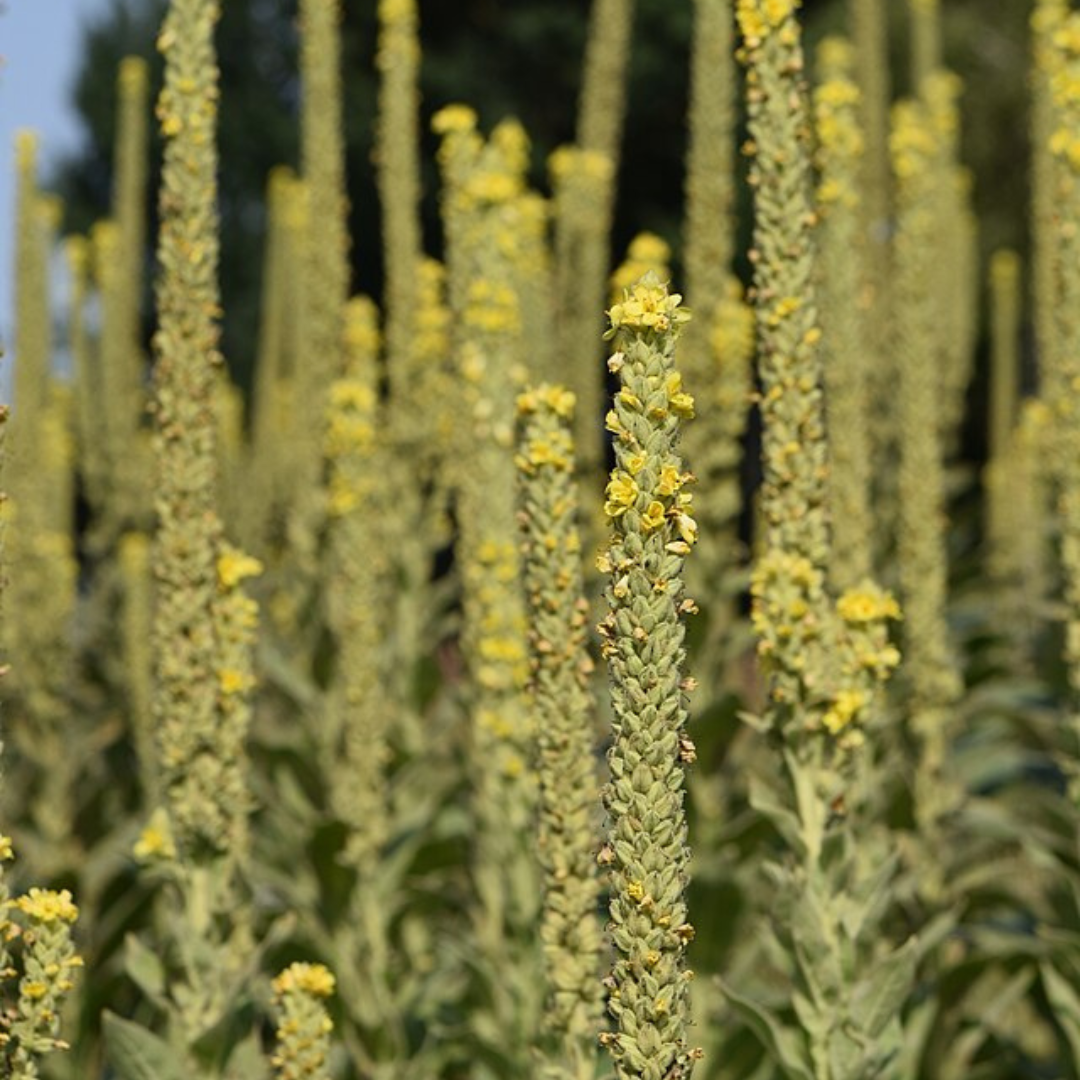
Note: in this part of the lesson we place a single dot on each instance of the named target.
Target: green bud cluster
(563, 720)
(652, 531)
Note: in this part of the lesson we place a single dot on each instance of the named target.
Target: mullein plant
(304, 1027)
(324, 285)
(931, 674)
(203, 623)
(353, 734)
(1065, 146)
(358, 722)
(842, 273)
(562, 708)
(581, 181)
(824, 660)
(1045, 168)
(88, 449)
(643, 640)
(276, 368)
(869, 22)
(957, 292)
(38, 962)
(717, 349)
(1017, 503)
(36, 949)
(130, 450)
(40, 598)
(398, 173)
(582, 252)
(481, 185)
(1002, 529)
(926, 40)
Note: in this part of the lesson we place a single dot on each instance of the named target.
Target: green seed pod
(562, 717)
(652, 531)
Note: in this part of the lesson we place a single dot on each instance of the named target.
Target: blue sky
(39, 42)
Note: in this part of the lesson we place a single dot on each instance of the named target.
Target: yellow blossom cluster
(48, 906)
(647, 307)
(305, 978)
(758, 17)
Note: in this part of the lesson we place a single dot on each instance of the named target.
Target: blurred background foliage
(522, 59)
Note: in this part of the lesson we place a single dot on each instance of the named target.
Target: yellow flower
(48, 906)
(453, 118)
(156, 839)
(6, 851)
(867, 604)
(846, 707)
(233, 566)
(231, 681)
(314, 979)
(653, 517)
(670, 481)
(621, 492)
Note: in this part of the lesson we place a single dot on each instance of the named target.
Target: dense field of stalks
(449, 707)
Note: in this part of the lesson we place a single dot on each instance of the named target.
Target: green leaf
(138, 1054)
(1066, 1005)
(145, 969)
(784, 1042)
(763, 799)
(878, 999)
(247, 1061)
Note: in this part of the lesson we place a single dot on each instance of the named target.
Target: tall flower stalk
(203, 624)
(583, 251)
(842, 273)
(324, 286)
(562, 710)
(1065, 378)
(824, 660)
(643, 635)
(716, 356)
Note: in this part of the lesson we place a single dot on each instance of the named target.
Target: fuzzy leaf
(1066, 1003)
(765, 802)
(785, 1043)
(138, 1054)
(145, 969)
(878, 999)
